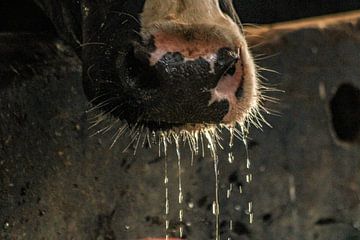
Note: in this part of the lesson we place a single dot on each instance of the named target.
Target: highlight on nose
(186, 81)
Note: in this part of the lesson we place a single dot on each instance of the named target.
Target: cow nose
(185, 84)
(161, 69)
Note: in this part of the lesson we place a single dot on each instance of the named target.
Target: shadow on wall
(345, 113)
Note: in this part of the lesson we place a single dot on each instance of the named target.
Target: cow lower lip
(163, 126)
(199, 113)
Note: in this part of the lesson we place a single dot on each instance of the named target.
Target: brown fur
(188, 48)
(194, 19)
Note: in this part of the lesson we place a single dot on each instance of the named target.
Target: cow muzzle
(185, 81)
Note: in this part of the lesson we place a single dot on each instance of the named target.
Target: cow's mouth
(175, 92)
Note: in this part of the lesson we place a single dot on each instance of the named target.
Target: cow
(162, 64)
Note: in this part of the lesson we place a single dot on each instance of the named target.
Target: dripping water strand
(216, 205)
(166, 183)
(181, 211)
(248, 163)
(249, 175)
(228, 192)
(231, 142)
(251, 214)
(244, 139)
(231, 159)
(230, 228)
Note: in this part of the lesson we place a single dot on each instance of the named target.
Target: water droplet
(231, 157)
(6, 225)
(228, 192)
(250, 205)
(249, 212)
(249, 178)
(181, 231)
(357, 225)
(231, 142)
(181, 215)
(215, 208)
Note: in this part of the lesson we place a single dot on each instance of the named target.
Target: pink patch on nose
(190, 49)
(226, 90)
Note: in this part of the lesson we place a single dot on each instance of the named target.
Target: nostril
(227, 60)
(231, 70)
(139, 69)
(141, 55)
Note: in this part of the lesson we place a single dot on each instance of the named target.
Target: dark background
(24, 15)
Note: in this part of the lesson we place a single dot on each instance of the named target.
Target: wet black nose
(182, 87)
(172, 71)
(141, 74)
